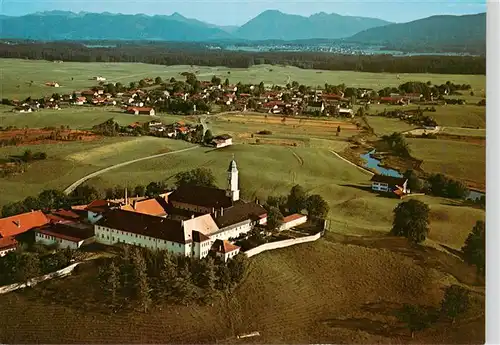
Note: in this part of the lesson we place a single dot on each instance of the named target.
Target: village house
(414, 97)
(141, 111)
(393, 100)
(80, 100)
(99, 78)
(390, 184)
(52, 84)
(222, 141)
(313, 107)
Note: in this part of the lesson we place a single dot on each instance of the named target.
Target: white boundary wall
(281, 244)
(33, 281)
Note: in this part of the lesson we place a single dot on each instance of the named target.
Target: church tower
(232, 181)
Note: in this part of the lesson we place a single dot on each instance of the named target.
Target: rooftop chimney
(18, 223)
(192, 216)
(221, 211)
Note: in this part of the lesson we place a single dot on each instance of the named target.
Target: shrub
(265, 132)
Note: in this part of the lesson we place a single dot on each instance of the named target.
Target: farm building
(292, 221)
(390, 184)
(141, 111)
(148, 206)
(65, 235)
(222, 141)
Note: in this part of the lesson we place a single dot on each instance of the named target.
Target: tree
(415, 317)
(474, 248)
(183, 287)
(132, 85)
(29, 267)
(28, 156)
(208, 137)
(209, 278)
(237, 267)
(317, 207)
(140, 279)
(338, 130)
(140, 190)
(168, 275)
(85, 194)
(414, 183)
(455, 301)
(296, 199)
(277, 201)
(216, 80)
(142, 83)
(196, 177)
(411, 220)
(109, 277)
(226, 82)
(274, 218)
(52, 199)
(158, 80)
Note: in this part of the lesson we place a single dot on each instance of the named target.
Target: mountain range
(269, 25)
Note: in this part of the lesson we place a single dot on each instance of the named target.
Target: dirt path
(99, 172)
(301, 161)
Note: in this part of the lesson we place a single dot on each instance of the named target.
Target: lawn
(17, 75)
(446, 115)
(384, 126)
(69, 161)
(462, 160)
(336, 290)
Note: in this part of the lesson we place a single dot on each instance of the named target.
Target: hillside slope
(436, 30)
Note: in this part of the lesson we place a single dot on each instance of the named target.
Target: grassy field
(69, 161)
(335, 290)
(384, 126)
(76, 117)
(448, 115)
(463, 160)
(75, 76)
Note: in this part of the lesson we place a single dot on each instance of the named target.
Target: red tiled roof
(292, 217)
(224, 247)
(100, 205)
(7, 243)
(18, 224)
(149, 206)
(273, 103)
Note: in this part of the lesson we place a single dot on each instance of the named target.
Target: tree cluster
(411, 220)
(297, 201)
(197, 54)
(397, 143)
(109, 128)
(455, 302)
(441, 185)
(196, 177)
(19, 266)
(157, 277)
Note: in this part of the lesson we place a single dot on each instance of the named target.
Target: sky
(238, 12)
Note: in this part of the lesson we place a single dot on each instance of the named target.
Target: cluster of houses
(285, 102)
(390, 185)
(175, 130)
(191, 220)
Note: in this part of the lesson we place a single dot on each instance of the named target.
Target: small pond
(373, 163)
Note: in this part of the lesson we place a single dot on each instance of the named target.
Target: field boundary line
(72, 187)
(354, 164)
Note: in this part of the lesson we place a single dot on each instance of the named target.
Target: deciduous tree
(455, 301)
(316, 206)
(415, 317)
(411, 220)
(274, 218)
(297, 199)
(196, 177)
(474, 248)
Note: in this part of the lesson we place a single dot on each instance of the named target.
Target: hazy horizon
(237, 12)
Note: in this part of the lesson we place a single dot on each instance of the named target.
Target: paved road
(99, 172)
